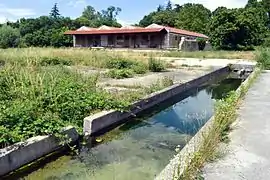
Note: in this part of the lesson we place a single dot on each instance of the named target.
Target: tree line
(49, 30)
(228, 29)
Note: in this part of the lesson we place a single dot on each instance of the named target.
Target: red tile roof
(185, 32)
(136, 30)
(116, 31)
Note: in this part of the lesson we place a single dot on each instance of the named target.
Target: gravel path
(248, 153)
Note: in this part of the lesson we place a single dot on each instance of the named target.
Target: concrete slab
(206, 62)
(248, 155)
(177, 75)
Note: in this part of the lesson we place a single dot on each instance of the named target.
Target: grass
(225, 115)
(99, 59)
(263, 58)
(250, 55)
(38, 100)
(43, 98)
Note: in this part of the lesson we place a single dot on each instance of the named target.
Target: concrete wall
(20, 154)
(101, 121)
(180, 162)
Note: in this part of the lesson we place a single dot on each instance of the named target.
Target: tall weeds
(263, 57)
(36, 100)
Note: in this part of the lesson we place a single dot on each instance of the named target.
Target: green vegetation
(40, 94)
(49, 30)
(156, 65)
(120, 73)
(263, 58)
(238, 29)
(225, 115)
(250, 55)
(159, 85)
(9, 37)
(39, 100)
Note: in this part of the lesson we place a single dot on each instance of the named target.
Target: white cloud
(77, 3)
(11, 14)
(213, 4)
(19, 12)
(3, 19)
(123, 22)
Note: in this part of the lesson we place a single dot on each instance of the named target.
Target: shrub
(52, 61)
(9, 37)
(156, 65)
(120, 73)
(119, 63)
(41, 100)
(263, 57)
(139, 68)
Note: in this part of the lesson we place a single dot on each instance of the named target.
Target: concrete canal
(142, 147)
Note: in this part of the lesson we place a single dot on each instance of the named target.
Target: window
(176, 37)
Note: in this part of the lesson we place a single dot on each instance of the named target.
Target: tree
(89, 13)
(165, 18)
(160, 8)
(266, 6)
(193, 17)
(169, 5)
(55, 11)
(9, 37)
(148, 19)
(177, 8)
(252, 3)
(240, 29)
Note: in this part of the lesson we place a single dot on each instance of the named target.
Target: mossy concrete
(20, 154)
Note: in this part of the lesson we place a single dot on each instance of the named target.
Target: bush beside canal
(263, 58)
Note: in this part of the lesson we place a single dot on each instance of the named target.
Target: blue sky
(132, 10)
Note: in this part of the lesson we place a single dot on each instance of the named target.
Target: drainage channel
(142, 147)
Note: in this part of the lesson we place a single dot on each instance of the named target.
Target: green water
(140, 149)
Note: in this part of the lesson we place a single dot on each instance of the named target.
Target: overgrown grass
(156, 65)
(250, 55)
(263, 57)
(38, 100)
(99, 59)
(120, 73)
(67, 56)
(159, 85)
(225, 115)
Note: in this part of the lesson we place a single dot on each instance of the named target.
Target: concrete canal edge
(100, 121)
(179, 163)
(20, 154)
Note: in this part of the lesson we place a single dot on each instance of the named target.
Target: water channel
(141, 148)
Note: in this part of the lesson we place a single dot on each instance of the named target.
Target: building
(153, 36)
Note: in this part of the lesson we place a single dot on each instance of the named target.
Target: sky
(132, 10)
